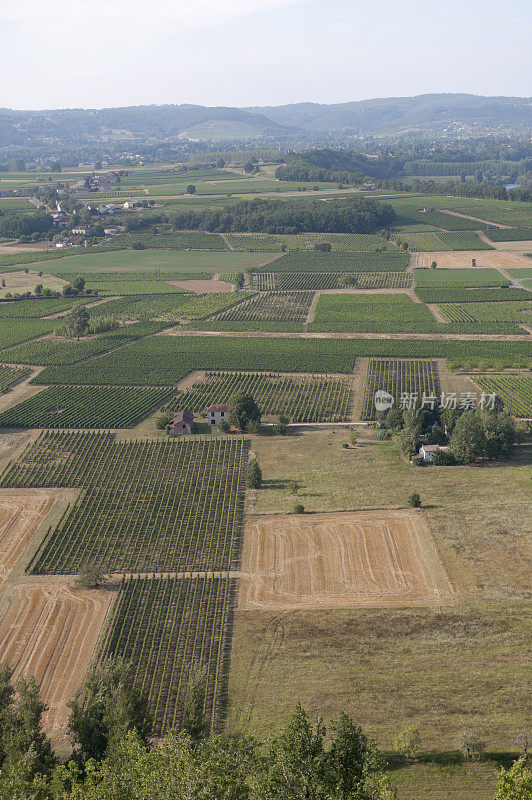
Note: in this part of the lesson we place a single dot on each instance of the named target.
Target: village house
(82, 230)
(427, 451)
(112, 231)
(181, 423)
(129, 204)
(218, 413)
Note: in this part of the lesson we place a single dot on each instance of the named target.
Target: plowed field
(51, 630)
(382, 558)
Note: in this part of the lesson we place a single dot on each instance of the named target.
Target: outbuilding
(218, 413)
(427, 451)
(182, 423)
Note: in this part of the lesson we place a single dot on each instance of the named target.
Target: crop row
(175, 630)
(305, 241)
(400, 378)
(10, 375)
(459, 277)
(146, 506)
(514, 390)
(266, 281)
(170, 307)
(165, 360)
(36, 308)
(83, 407)
(306, 398)
(286, 310)
(461, 294)
(489, 312)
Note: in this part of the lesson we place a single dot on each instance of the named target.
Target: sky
(104, 53)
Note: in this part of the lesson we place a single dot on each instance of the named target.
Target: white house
(129, 204)
(217, 413)
(427, 451)
(82, 230)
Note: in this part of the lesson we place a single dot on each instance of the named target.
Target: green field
(164, 260)
(458, 277)
(164, 360)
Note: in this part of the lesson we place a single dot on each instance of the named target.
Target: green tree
(414, 500)
(77, 321)
(22, 734)
(243, 410)
(467, 438)
(91, 576)
(499, 433)
(408, 743)
(107, 708)
(281, 428)
(253, 474)
(191, 189)
(162, 421)
(515, 783)
(193, 721)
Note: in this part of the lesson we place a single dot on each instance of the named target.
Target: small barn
(182, 422)
(427, 451)
(218, 413)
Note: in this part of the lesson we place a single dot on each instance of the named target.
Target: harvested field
(51, 630)
(370, 558)
(458, 259)
(21, 513)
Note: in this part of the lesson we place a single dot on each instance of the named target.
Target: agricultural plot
(314, 261)
(305, 398)
(171, 628)
(499, 211)
(170, 307)
(367, 558)
(509, 234)
(465, 295)
(489, 312)
(423, 242)
(267, 311)
(36, 308)
(310, 281)
(145, 506)
(13, 333)
(389, 313)
(61, 351)
(10, 375)
(399, 377)
(51, 631)
(461, 240)
(450, 222)
(306, 241)
(84, 407)
(432, 278)
(514, 390)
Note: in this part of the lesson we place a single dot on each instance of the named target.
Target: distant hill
(426, 112)
(431, 113)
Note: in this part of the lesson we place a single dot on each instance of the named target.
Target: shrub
(299, 508)
(162, 421)
(253, 474)
(91, 576)
(414, 500)
(224, 426)
(408, 743)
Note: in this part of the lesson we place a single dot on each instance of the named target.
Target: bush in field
(253, 474)
(408, 743)
(299, 508)
(470, 744)
(414, 500)
(292, 486)
(91, 576)
(323, 247)
(281, 428)
(353, 436)
(162, 421)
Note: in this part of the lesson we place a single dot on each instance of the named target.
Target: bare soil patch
(21, 390)
(51, 630)
(369, 558)
(203, 287)
(459, 259)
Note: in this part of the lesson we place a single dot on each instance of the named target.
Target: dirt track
(51, 630)
(367, 558)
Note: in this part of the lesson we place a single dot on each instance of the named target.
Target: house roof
(218, 407)
(183, 416)
(430, 448)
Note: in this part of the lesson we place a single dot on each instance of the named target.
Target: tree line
(346, 215)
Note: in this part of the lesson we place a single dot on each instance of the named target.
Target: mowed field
(51, 630)
(349, 559)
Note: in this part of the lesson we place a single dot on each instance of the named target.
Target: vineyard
(311, 281)
(509, 234)
(83, 407)
(464, 295)
(305, 398)
(288, 308)
(165, 360)
(398, 376)
(444, 240)
(306, 241)
(172, 628)
(314, 261)
(170, 307)
(459, 277)
(145, 506)
(21, 330)
(488, 312)
(10, 375)
(514, 390)
(61, 351)
(34, 308)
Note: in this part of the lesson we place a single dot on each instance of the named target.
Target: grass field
(439, 668)
(163, 260)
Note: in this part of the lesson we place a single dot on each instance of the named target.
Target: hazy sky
(97, 53)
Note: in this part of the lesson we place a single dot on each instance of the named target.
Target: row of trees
(346, 215)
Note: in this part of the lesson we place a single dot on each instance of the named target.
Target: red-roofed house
(182, 422)
(217, 413)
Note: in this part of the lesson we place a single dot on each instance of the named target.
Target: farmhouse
(182, 422)
(82, 230)
(427, 451)
(217, 413)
